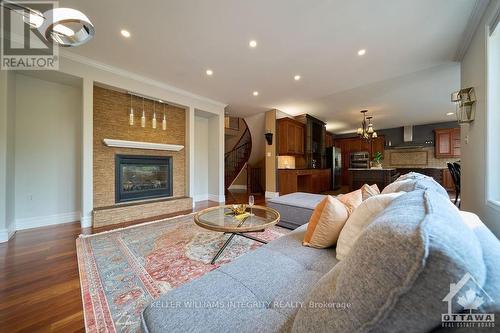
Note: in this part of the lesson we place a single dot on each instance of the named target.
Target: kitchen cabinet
(290, 137)
(315, 133)
(381, 177)
(328, 140)
(447, 142)
(353, 145)
(304, 180)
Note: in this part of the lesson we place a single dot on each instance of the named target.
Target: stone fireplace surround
(111, 122)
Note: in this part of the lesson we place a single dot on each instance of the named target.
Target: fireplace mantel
(141, 145)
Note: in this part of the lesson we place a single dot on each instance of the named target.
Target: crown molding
(472, 24)
(118, 71)
(121, 72)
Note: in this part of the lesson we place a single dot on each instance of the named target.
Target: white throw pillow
(360, 219)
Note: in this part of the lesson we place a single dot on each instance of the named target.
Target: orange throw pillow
(368, 191)
(325, 224)
(352, 200)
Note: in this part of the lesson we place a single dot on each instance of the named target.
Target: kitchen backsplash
(286, 162)
(414, 158)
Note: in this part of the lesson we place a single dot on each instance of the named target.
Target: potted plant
(377, 158)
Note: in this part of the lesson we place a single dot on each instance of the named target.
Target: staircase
(236, 159)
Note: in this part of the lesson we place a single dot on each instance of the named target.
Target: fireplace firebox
(142, 177)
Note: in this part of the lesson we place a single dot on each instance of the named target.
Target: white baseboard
(85, 221)
(42, 221)
(200, 197)
(237, 187)
(272, 195)
(209, 197)
(7, 233)
(217, 198)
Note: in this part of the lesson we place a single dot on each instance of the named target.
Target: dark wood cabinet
(447, 142)
(290, 137)
(328, 140)
(353, 145)
(381, 177)
(306, 180)
(315, 133)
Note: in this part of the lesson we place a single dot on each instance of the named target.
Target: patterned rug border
(98, 315)
(134, 226)
(81, 267)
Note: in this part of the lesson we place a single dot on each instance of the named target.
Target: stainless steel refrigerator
(334, 161)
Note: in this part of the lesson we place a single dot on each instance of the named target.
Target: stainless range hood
(408, 139)
(408, 133)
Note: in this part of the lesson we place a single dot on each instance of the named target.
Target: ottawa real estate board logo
(23, 47)
(466, 301)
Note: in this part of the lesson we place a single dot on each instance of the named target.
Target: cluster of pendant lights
(154, 122)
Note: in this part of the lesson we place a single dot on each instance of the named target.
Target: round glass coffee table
(221, 219)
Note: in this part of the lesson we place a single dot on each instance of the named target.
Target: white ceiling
(406, 75)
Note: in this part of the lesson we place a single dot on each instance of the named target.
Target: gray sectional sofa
(395, 278)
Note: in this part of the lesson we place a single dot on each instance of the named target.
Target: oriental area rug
(123, 270)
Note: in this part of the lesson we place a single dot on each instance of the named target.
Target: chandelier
(366, 130)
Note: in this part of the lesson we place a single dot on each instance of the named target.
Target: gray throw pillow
(415, 183)
(412, 175)
(398, 272)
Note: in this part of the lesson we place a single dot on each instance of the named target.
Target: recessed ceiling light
(253, 43)
(450, 114)
(256, 93)
(361, 52)
(125, 33)
(210, 72)
(296, 77)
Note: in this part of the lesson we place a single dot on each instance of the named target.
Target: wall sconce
(269, 137)
(464, 100)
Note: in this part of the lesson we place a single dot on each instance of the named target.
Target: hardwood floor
(39, 282)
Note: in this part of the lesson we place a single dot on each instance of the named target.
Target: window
(493, 115)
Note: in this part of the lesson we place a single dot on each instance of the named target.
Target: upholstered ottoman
(295, 208)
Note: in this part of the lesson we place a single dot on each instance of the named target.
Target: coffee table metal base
(229, 241)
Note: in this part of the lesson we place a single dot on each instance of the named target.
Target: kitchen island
(381, 177)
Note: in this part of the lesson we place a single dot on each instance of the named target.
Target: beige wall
(111, 122)
(271, 188)
(201, 159)
(47, 152)
(7, 155)
(473, 74)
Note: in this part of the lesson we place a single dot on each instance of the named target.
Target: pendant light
(164, 122)
(131, 115)
(154, 114)
(143, 118)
